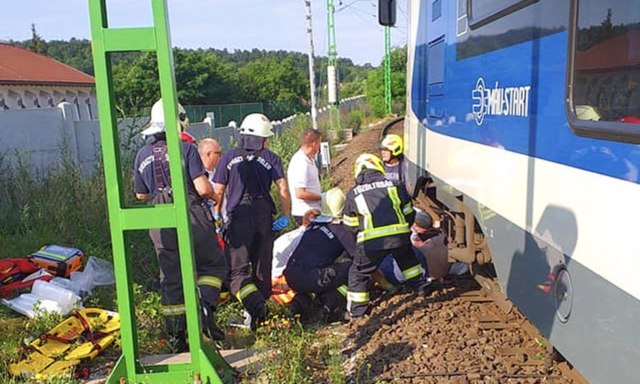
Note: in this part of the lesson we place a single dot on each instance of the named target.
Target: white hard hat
(256, 124)
(156, 124)
(332, 205)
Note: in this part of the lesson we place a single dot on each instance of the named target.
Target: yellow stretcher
(75, 341)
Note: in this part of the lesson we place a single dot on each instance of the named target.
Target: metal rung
(129, 39)
(159, 216)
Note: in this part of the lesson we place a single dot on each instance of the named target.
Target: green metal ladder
(205, 361)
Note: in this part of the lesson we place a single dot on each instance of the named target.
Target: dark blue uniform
(382, 214)
(151, 176)
(312, 267)
(248, 175)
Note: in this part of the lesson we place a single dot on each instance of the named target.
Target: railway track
(464, 332)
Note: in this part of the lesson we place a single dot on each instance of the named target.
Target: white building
(30, 80)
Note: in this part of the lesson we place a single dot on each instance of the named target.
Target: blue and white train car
(526, 113)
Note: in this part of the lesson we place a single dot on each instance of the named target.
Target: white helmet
(332, 205)
(256, 124)
(156, 125)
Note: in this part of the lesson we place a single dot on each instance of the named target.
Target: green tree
(37, 44)
(375, 84)
(275, 81)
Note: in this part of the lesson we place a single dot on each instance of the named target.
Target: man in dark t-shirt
(246, 174)
(152, 183)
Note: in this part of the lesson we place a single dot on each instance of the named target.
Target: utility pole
(387, 68)
(332, 68)
(312, 74)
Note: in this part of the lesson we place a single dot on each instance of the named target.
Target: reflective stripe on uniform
(224, 296)
(211, 281)
(393, 195)
(407, 209)
(246, 291)
(358, 297)
(394, 229)
(343, 290)
(173, 310)
(350, 221)
(363, 209)
(412, 272)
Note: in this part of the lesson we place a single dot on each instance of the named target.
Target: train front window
(605, 83)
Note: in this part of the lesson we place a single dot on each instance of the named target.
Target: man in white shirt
(303, 178)
(210, 153)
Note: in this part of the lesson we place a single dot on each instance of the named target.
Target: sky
(231, 24)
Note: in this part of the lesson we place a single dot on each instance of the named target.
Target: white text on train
(499, 101)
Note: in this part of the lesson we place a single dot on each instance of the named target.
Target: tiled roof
(620, 51)
(21, 66)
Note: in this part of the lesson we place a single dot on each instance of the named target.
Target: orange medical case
(59, 260)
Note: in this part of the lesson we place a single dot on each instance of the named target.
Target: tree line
(278, 79)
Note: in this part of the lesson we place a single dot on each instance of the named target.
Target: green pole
(387, 68)
(332, 68)
(203, 360)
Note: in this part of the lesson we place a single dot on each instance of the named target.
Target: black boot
(209, 328)
(178, 343)
(422, 287)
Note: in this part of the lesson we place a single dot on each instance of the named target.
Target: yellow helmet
(332, 205)
(393, 144)
(370, 162)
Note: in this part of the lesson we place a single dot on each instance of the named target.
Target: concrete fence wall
(37, 135)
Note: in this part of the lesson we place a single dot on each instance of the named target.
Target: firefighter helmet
(332, 205)
(367, 161)
(157, 125)
(393, 144)
(256, 124)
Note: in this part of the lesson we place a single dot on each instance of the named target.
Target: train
(522, 134)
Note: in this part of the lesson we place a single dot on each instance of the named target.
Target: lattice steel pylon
(204, 362)
(333, 81)
(387, 68)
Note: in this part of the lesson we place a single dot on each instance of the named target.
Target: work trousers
(366, 262)
(250, 239)
(210, 262)
(328, 283)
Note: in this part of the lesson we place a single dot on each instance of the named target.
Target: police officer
(382, 215)
(391, 151)
(313, 266)
(152, 183)
(246, 174)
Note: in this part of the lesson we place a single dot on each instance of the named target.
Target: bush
(355, 119)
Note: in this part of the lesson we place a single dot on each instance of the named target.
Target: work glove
(280, 223)
(217, 219)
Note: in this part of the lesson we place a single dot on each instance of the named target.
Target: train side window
(483, 12)
(603, 78)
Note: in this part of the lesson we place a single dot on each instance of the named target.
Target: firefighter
(246, 174)
(152, 183)
(381, 213)
(313, 267)
(391, 150)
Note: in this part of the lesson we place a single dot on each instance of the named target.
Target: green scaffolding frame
(205, 361)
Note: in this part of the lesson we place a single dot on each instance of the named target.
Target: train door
(437, 21)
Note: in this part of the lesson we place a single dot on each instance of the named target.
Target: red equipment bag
(18, 274)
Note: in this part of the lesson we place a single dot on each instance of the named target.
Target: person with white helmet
(246, 174)
(313, 268)
(152, 183)
(391, 152)
(382, 214)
